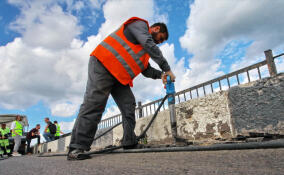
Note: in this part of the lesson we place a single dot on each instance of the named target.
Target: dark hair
(163, 28)
(55, 121)
(46, 118)
(37, 124)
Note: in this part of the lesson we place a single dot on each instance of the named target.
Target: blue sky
(45, 47)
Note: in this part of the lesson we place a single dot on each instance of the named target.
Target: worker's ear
(157, 29)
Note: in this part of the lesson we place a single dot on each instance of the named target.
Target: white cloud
(212, 25)
(97, 4)
(111, 111)
(79, 5)
(67, 127)
(116, 16)
(48, 62)
(45, 24)
(38, 69)
(279, 64)
(64, 109)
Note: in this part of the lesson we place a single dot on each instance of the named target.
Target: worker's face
(158, 37)
(37, 127)
(19, 118)
(46, 120)
(3, 126)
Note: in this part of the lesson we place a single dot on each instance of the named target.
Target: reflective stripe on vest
(57, 130)
(120, 59)
(123, 59)
(130, 51)
(18, 129)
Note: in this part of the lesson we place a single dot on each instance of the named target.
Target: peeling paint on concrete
(207, 113)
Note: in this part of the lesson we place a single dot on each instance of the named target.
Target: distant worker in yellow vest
(4, 142)
(113, 65)
(58, 130)
(17, 133)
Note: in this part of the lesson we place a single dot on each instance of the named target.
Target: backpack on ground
(52, 128)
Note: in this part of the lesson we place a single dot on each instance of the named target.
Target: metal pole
(270, 62)
(170, 87)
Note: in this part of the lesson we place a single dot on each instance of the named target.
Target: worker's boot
(77, 154)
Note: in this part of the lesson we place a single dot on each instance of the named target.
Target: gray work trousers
(99, 86)
(17, 141)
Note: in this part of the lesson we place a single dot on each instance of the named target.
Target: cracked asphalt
(242, 162)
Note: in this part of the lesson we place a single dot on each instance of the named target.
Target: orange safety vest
(123, 59)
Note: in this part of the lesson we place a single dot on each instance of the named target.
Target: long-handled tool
(170, 88)
(106, 150)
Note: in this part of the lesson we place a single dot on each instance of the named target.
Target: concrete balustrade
(253, 107)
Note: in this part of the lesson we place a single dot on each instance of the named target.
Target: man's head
(55, 122)
(19, 118)
(159, 32)
(46, 119)
(38, 126)
(3, 126)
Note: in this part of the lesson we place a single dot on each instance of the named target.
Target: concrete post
(270, 62)
(140, 113)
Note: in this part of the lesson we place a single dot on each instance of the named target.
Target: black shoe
(135, 146)
(77, 154)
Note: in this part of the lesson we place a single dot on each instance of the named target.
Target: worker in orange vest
(113, 65)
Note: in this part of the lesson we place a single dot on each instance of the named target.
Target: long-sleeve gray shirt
(138, 33)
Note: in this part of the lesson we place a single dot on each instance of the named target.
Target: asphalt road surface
(243, 162)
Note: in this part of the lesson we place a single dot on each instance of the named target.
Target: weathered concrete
(103, 141)
(61, 145)
(205, 118)
(52, 146)
(258, 106)
(253, 107)
(159, 132)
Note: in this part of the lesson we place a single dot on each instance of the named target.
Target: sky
(45, 47)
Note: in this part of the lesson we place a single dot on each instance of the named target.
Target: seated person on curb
(49, 130)
(34, 133)
(58, 131)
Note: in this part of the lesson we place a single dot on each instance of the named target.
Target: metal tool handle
(170, 88)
